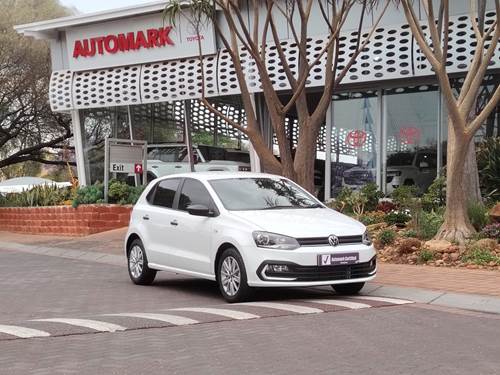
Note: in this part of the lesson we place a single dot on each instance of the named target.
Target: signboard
(135, 40)
(356, 138)
(124, 156)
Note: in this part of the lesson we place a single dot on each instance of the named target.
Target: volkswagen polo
(245, 230)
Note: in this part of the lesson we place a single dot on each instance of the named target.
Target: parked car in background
(411, 168)
(172, 158)
(245, 230)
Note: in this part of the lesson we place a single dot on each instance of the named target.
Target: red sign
(356, 138)
(151, 38)
(409, 135)
(138, 168)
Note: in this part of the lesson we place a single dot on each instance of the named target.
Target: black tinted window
(193, 192)
(165, 193)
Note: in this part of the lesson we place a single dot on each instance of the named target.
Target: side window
(193, 192)
(165, 192)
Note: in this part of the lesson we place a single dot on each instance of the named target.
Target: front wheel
(232, 276)
(138, 269)
(348, 289)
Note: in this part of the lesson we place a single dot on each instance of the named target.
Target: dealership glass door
(411, 121)
(354, 140)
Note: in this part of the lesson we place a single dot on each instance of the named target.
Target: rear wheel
(138, 269)
(232, 276)
(348, 289)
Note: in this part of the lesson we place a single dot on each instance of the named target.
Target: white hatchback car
(245, 230)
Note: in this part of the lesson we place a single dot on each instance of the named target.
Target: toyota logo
(333, 240)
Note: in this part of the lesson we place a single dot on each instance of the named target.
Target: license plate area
(338, 259)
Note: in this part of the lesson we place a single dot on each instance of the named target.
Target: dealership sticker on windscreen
(338, 259)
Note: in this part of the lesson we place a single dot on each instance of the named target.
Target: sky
(87, 6)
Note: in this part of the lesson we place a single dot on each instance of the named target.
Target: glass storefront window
(411, 119)
(354, 140)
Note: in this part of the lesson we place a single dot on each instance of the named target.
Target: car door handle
(178, 166)
(145, 217)
(174, 222)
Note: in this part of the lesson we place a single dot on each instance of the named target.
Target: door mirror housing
(200, 210)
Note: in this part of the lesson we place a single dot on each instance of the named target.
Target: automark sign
(136, 40)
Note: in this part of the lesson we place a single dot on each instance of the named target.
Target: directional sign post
(124, 156)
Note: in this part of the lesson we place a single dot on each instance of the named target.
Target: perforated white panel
(60, 90)
(392, 54)
(107, 87)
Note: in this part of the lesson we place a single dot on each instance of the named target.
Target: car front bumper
(302, 267)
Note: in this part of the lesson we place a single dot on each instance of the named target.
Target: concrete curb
(474, 302)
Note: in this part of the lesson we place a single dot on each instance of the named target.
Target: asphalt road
(190, 330)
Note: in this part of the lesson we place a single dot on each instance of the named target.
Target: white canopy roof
(18, 184)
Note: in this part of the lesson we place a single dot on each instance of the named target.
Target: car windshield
(238, 194)
(400, 158)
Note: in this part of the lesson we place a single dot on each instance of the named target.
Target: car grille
(323, 273)
(319, 241)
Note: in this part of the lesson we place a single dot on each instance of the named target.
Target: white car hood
(302, 223)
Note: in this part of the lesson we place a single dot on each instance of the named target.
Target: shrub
(341, 201)
(491, 231)
(89, 194)
(435, 196)
(42, 195)
(387, 237)
(425, 256)
(478, 215)
(488, 164)
(118, 192)
(399, 218)
(373, 217)
(480, 256)
(386, 206)
(372, 194)
(404, 196)
(356, 202)
(427, 224)
(410, 233)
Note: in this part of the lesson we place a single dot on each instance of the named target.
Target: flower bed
(64, 220)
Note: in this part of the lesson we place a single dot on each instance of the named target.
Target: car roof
(219, 175)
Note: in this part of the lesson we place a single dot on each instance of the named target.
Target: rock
(374, 227)
(495, 213)
(437, 246)
(454, 256)
(485, 243)
(439, 262)
(409, 245)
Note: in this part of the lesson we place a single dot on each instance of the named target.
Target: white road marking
(223, 312)
(23, 332)
(87, 323)
(339, 302)
(285, 306)
(384, 299)
(167, 318)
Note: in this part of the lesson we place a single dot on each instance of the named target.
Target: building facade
(129, 74)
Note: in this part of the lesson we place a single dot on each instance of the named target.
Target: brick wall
(64, 220)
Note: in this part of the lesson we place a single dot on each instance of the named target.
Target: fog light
(278, 268)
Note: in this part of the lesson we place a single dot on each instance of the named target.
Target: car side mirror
(424, 164)
(200, 210)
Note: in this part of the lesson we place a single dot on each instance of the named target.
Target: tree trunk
(456, 226)
(471, 176)
(306, 156)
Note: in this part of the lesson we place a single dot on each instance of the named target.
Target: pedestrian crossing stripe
(175, 316)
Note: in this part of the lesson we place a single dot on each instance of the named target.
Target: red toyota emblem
(356, 138)
(410, 135)
(138, 168)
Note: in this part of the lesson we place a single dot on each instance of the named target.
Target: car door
(158, 221)
(192, 241)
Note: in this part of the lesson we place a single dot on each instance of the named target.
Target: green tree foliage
(28, 128)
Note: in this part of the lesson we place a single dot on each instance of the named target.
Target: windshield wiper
(317, 205)
(278, 207)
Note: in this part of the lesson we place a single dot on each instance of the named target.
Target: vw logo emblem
(333, 240)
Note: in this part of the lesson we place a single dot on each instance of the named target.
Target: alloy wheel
(136, 261)
(230, 276)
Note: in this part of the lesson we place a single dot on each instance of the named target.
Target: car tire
(348, 289)
(230, 270)
(137, 264)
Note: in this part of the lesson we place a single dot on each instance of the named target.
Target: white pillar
(79, 153)
(328, 152)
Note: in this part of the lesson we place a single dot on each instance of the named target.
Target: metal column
(79, 152)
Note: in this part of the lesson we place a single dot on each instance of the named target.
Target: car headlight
(367, 239)
(275, 241)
